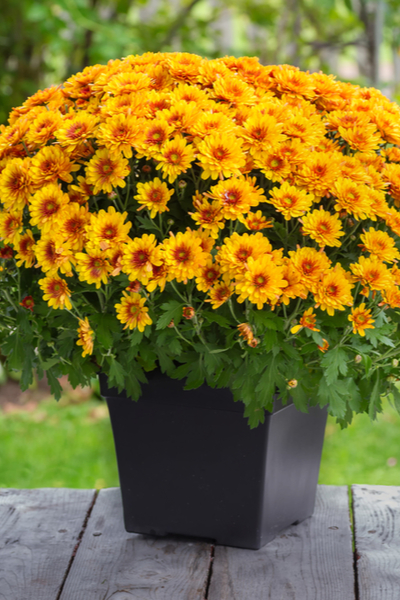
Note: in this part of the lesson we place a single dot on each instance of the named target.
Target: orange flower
(28, 303)
(236, 196)
(372, 274)
(141, 255)
(290, 201)
(380, 245)
(46, 207)
(93, 267)
(154, 195)
(318, 172)
(307, 320)
(208, 215)
(361, 319)
(108, 229)
(52, 254)
(16, 184)
(25, 252)
(261, 132)
(10, 227)
(119, 133)
(324, 347)
(323, 227)
(333, 292)
(246, 332)
(52, 163)
(310, 265)
(208, 276)
(237, 249)
(188, 312)
(364, 138)
(220, 293)
(184, 256)
(75, 130)
(220, 155)
(352, 198)
(262, 282)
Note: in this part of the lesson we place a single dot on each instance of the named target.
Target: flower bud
(170, 222)
(172, 324)
(146, 168)
(358, 358)
(188, 312)
(253, 343)
(182, 183)
(112, 195)
(395, 362)
(292, 383)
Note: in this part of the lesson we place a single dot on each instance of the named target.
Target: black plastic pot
(189, 464)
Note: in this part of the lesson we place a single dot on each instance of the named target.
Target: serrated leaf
(117, 373)
(165, 361)
(255, 415)
(55, 386)
(195, 378)
(215, 318)
(328, 394)
(27, 369)
(172, 312)
(50, 362)
(133, 388)
(270, 340)
(334, 362)
(136, 337)
(375, 404)
(268, 320)
(14, 347)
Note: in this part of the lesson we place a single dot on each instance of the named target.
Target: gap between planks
(75, 550)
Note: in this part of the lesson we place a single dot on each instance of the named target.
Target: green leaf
(27, 369)
(136, 337)
(255, 415)
(375, 404)
(14, 347)
(396, 397)
(267, 319)
(270, 340)
(106, 324)
(328, 394)
(165, 361)
(335, 362)
(172, 311)
(117, 373)
(196, 377)
(132, 387)
(50, 362)
(215, 318)
(55, 386)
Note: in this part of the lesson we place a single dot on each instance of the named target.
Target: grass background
(69, 444)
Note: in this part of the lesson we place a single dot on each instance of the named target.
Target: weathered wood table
(62, 544)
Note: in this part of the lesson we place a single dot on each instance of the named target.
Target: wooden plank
(376, 510)
(309, 561)
(111, 563)
(39, 530)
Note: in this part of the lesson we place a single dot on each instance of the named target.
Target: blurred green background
(43, 42)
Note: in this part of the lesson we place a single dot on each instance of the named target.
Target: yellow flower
(333, 291)
(261, 132)
(108, 229)
(119, 133)
(262, 282)
(184, 256)
(220, 293)
(295, 288)
(256, 221)
(140, 256)
(361, 319)
(43, 128)
(237, 249)
(310, 264)
(208, 276)
(220, 155)
(52, 163)
(104, 172)
(56, 292)
(290, 201)
(274, 164)
(86, 336)
(174, 157)
(16, 185)
(132, 311)
(325, 346)
(307, 320)
(75, 130)
(246, 332)
(236, 196)
(155, 134)
(53, 254)
(318, 172)
(25, 252)
(10, 227)
(75, 218)
(93, 267)
(158, 277)
(323, 227)
(154, 195)
(208, 215)
(364, 138)
(380, 245)
(352, 198)
(372, 274)
(46, 207)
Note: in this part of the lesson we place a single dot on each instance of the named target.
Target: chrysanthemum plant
(227, 222)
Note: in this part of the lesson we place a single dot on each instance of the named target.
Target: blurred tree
(42, 42)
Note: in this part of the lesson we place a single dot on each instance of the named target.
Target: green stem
(185, 300)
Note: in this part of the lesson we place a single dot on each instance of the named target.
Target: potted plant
(223, 236)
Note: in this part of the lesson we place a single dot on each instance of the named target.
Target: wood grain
(38, 533)
(376, 510)
(309, 561)
(112, 564)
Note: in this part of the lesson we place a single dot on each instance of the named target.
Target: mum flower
(56, 292)
(237, 249)
(246, 332)
(380, 245)
(104, 172)
(333, 292)
(132, 312)
(318, 172)
(372, 274)
(236, 196)
(53, 254)
(295, 288)
(141, 255)
(46, 207)
(10, 227)
(323, 227)
(119, 133)
(290, 201)
(274, 164)
(93, 267)
(75, 219)
(352, 198)
(361, 319)
(262, 282)
(43, 128)
(220, 155)
(364, 138)
(310, 264)
(184, 256)
(308, 320)
(154, 195)
(208, 215)
(16, 184)
(108, 229)
(208, 276)
(75, 130)
(25, 250)
(52, 163)
(261, 132)
(256, 221)
(220, 293)
(28, 303)
(85, 337)
(174, 157)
